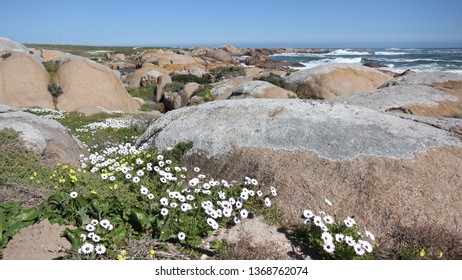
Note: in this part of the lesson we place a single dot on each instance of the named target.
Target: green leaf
(2, 227)
(119, 234)
(28, 215)
(165, 234)
(73, 237)
(14, 228)
(138, 219)
(58, 198)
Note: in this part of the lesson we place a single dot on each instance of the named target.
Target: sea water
(393, 59)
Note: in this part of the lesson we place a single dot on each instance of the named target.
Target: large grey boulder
(48, 139)
(427, 94)
(392, 174)
(336, 79)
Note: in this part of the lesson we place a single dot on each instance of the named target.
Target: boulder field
(392, 174)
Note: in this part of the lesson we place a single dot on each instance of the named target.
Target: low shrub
(146, 93)
(189, 78)
(273, 79)
(226, 72)
(204, 91)
(55, 90)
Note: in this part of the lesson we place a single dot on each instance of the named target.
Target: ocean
(393, 59)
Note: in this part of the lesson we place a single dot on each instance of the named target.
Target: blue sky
(291, 23)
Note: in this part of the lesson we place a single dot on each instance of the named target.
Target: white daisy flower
(370, 235)
(140, 173)
(367, 246)
(329, 247)
(227, 212)
(244, 214)
(73, 194)
(201, 176)
(328, 219)
(136, 179)
(206, 192)
(267, 202)
(161, 163)
(100, 249)
(90, 234)
(96, 238)
(211, 222)
(232, 201)
(104, 223)
(160, 157)
(181, 236)
(254, 182)
(359, 249)
(110, 227)
(87, 248)
(164, 211)
(317, 220)
(193, 182)
(339, 237)
(150, 196)
(163, 201)
(83, 237)
(94, 222)
(177, 169)
(168, 162)
(163, 180)
(190, 197)
(139, 161)
(238, 205)
(237, 220)
(323, 227)
(173, 204)
(104, 176)
(128, 176)
(197, 169)
(112, 178)
(244, 195)
(156, 168)
(308, 214)
(307, 221)
(144, 190)
(259, 193)
(327, 237)
(350, 241)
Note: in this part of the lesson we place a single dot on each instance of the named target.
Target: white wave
(296, 54)
(314, 63)
(240, 57)
(348, 52)
(431, 67)
(390, 53)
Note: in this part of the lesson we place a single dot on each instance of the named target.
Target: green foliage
(150, 106)
(55, 90)
(51, 67)
(13, 218)
(174, 87)
(17, 162)
(147, 92)
(273, 79)
(204, 91)
(227, 72)
(189, 78)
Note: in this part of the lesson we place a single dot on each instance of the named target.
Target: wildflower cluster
(149, 194)
(47, 113)
(93, 238)
(335, 240)
(108, 123)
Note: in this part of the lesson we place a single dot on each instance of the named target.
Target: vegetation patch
(146, 93)
(204, 91)
(273, 79)
(226, 72)
(189, 78)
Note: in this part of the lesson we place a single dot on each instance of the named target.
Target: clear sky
(249, 23)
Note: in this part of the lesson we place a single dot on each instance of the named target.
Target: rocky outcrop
(165, 57)
(425, 94)
(390, 173)
(331, 80)
(260, 89)
(232, 50)
(88, 85)
(6, 45)
(246, 87)
(133, 79)
(50, 55)
(23, 82)
(48, 139)
(176, 100)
